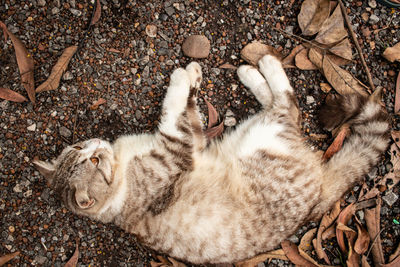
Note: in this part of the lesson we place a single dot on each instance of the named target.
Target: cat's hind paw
(250, 76)
(195, 74)
(180, 78)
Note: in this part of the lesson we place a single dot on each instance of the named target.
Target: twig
(354, 37)
(74, 129)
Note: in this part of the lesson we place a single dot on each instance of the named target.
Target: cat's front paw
(269, 63)
(195, 75)
(180, 78)
(250, 76)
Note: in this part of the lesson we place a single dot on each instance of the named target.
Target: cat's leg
(195, 76)
(252, 79)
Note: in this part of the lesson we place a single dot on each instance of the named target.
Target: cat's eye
(77, 147)
(94, 160)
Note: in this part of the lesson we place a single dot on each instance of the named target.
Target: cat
(224, 200)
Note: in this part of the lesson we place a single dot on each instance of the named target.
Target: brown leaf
(372, 220)
(362, 243)
(214, 131)
(212, 114)
(227, 66)
(303, 62)
(176, 263)
(306, 240)
(73, 261)
(343, 50)
(276, 254)
(54, 79)
(254, 51)
(343, 218)
(293, 254)
(329, 233)
(364, 262)
(326, 221)
(392, 53)
(395, 254)
(397, 97)
(97, 13)
(315, 56)
(394, 263)
(325, 87)
(343, 82)
(11, 95)
(97, 103)
(332, 31)
(352, 257)
(337, 142)
(6, 258)
(312, 15)
(25, 63)
(288, 61)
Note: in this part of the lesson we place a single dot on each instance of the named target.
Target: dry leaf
(325, 87)
(288, 61)
(343, 82)
(329, 233)
(343, 218)
(303, 62)
(352, 257)
(254, 51)
(337, 142)
(312, 15)
(212, 114)
(6, 258)
(176, 263)
(276, 254)
(97, 13)
(397, 97)
(394, 263)
(332, 31)
(372, 220)
(97, 103)
(343, 49)
(364, 262)
(214, 131)
(24, 61)
(392, 53)
(306, 240)
(293, 254)
(11, 95)
(227, 66)
(326, 221)
(73, 261)
(362, 243)
(395, 254)
(54, 79)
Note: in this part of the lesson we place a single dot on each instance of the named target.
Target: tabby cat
(224, 200)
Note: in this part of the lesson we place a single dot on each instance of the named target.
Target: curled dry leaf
(343, 218)
(289, 60)
(54, 79)
(392, 53)
(11, 95)
(362, 243)
(312, 15)
(215, 131)
(343, 82)
(328, 219)
(212, 114)
(254, 51)
(294, 256)
(395, 254)
(97, 13)
(332, 31)
(343, 50)
(337, 142)
(73, 261)
(306, 240)
(303, 62)
(352, 257)
(372, 220)
(276, 254)
(176, 263)
(6, 258)
(24, 61)
(397, 97)
(227, 66)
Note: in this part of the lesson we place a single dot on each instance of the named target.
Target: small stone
(40, 260)
(151, 30)
(32, 127)
(372, 3)
(65, 132)
(55, 10)
(11, 229)
(28, 193)
(41, 2)
(196, 46)
(68, 76)
(18, 188)
(170, 10)
(310, 100)
(373, 19)
(390, 198)
(75, 12)
(294, 239)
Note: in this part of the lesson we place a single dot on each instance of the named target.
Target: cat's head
(82, 175)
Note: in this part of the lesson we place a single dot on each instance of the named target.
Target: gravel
(120, 63)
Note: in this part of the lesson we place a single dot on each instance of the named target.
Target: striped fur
(233, 198)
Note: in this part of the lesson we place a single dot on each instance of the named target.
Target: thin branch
(294, 36)
(355, 41)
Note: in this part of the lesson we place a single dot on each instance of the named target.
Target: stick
(354, 37)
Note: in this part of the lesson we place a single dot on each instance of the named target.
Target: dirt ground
(120, 63)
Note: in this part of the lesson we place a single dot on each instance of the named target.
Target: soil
(119, 62)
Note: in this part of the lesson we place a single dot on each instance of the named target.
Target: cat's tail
(369, 137)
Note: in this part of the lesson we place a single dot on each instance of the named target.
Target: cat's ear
(47, 169)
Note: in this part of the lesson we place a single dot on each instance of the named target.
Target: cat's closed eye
(77, 147)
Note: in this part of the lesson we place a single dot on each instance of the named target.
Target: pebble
(41, 2)
(55, 10)
(151, 30)
(169, 10)
(68, 76)
(310, 100)
(196, 46)
(390, 198)
(32, 127)
(75, 12)
(373, 19)
(372, 3)
(65, 132)
(229, 119)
